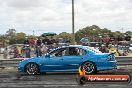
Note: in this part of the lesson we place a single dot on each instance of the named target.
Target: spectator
(23, 51)
(97, 46)
(31, 42)
(38, 51)
(27, 51)
(19, 48)
(15, 52)
(44, 49)
(32, 51)
(45, 41)
(103, 49)
(5, 53)
(39, 42)
(53, 41)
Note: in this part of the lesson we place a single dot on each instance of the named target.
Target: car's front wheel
(89, 67)
(31, 69)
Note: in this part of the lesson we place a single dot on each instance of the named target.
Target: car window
(83, 52)
(92, 49)
(59, 52)
(73, 51)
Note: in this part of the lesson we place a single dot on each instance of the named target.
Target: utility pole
(33, 32)
(73, 25)
(122, 30)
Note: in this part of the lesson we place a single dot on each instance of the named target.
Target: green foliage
(65, 35)
(128, 33)
(20, 36)
(12, 41)
(31, 36)
(3, 40)
(92, 32)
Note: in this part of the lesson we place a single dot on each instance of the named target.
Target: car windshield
(93, 50)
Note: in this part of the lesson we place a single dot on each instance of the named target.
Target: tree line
(94, 33)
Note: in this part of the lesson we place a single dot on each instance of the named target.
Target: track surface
(56, 80)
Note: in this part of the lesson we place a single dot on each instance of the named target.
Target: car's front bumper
(21, 70)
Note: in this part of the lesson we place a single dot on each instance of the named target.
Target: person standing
(27, 51)
(103, 49)
(32, 51)
(5, 53)
(44, 49)
(39, 42)
(19, 48)
(31, 42)
(45, 41)
(38, 51)
(15, 52)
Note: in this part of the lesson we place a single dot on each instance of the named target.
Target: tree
(94, 33)
(3, 40)
(66, 36)
(11, 33)
(128, 33)
(20, 37)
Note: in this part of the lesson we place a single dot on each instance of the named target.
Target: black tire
(31, 69)
(89, 67)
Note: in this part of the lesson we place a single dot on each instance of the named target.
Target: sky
(56, 15)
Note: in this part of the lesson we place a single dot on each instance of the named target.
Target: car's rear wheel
(89, 67)
(31, 69)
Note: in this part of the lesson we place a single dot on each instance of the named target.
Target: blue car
(69, 59)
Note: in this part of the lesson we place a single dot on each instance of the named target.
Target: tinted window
(83, 52)
(73, 51)
(59, 52)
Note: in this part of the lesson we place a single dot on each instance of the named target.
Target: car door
(55, 61)
(73, 59)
